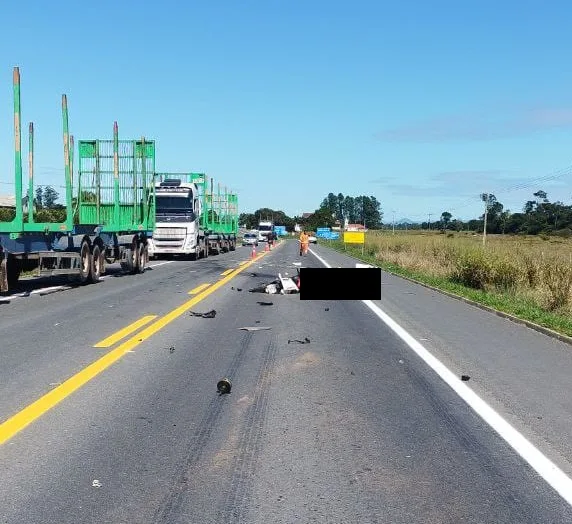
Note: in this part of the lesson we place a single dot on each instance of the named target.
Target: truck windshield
(170, 204)
(264, 228)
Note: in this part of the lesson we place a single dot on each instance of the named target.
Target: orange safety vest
(304, 239)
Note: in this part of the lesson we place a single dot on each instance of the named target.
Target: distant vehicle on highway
(250, 239)
(312, 239)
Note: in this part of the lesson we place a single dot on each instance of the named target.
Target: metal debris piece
(239, 289)
(265, 303)
(208, 314)
(96, 484)
(172, 349)
(327, 309)
(224, 386)
(305, 341)
(272, 289)
(465, 378)
(253, 328)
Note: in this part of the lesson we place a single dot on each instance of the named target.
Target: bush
(505, 275)
(473, 269)
(564, 233)
(558, 280)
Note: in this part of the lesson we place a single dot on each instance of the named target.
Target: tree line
(538, 216)
(333, 210)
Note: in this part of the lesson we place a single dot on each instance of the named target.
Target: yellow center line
(198, 289)
(33, 411)
(228, 271)
(122, 333)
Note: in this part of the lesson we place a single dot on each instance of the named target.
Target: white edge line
(549, 471)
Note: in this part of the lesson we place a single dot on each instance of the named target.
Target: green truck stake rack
(114, 212)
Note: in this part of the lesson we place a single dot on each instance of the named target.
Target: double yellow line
(29, 414)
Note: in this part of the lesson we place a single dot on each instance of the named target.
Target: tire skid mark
(171, 504)
(250, 444)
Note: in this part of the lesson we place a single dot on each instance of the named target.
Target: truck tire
(97, 263)
(127, 263)
(85, 262)
(142, 254)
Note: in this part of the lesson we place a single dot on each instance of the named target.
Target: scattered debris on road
(305, 341)
(224, 386)
(253, 328)
(208, 314)
(265, 303)
(465, 378)
(96, 484)
(172, 349)
(327, 309)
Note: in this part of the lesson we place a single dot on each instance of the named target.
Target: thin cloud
(466, 183)
(480, 128)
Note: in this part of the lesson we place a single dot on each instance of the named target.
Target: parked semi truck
(110, 219)
(191, 218)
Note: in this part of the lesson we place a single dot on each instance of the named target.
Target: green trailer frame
(116, 188)
(113, 215)
(21, 225)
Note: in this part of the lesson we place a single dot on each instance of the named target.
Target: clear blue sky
(423, 104)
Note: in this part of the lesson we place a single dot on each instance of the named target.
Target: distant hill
(404, 221)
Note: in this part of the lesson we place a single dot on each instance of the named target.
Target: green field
(527, 276)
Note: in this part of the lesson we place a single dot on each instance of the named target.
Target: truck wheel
(142, 253)
(97, 262)
(232, 245)
(85, 262)
(127, 263)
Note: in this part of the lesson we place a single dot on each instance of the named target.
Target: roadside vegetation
(526, 276)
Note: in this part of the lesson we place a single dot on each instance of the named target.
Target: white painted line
(49, 289)
(549, 471)
(161, 263)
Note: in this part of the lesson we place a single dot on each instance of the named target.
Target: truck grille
(169, 233)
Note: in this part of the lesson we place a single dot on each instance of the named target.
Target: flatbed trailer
(111, 219)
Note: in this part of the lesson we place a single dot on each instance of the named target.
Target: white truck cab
(178, 208)
(264, 227)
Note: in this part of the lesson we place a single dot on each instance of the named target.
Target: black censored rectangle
(340, 283)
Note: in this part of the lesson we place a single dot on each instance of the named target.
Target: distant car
(312, 239)
(250, 239)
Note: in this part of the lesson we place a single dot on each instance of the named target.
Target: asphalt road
(353, 427)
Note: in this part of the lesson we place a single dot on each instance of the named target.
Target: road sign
(354, 237)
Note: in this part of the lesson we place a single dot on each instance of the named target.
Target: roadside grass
(527, 277)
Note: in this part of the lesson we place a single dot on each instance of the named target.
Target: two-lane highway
(112, 388)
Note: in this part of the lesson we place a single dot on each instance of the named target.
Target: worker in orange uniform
(304, 243)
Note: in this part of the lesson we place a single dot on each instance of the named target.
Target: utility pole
(429, 222)
(486, 199)
(393, 225)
